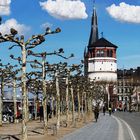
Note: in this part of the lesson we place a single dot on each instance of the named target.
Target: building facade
(129, 89)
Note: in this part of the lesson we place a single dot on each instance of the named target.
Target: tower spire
(94, 27)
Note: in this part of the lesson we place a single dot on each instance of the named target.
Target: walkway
(107, 128)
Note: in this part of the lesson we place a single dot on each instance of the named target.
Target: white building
(100, 56)
(100, 62)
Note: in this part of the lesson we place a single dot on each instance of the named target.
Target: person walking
(104, 109)
(110, 110)
(96, 113)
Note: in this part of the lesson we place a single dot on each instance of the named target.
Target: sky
(119, 21)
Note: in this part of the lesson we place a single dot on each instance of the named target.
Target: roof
(102, 42)
(94, 29)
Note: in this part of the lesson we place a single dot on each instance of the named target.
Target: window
(100, 53)
(119, 90)
(109, 53)
(128, 90)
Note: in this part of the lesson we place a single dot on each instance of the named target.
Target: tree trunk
(82, 108)
(1, 100)
(0, 109)
(27, 101)
(67, 102)
(79, 105)
(35, 106)
(44, 94)
(90, 105)
(73, 107)
(58, 100)
(85, 102)
(15, 100)
(24, 95)
(52, 106)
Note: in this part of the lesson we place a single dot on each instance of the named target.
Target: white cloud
(65, 9)
(5, 7)
(45, 25)
(125, 12)
(12, 23)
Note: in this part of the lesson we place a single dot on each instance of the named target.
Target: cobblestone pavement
(107, 128)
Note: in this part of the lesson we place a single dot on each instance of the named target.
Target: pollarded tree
(5, 74)
(24, 45)
(43, 65)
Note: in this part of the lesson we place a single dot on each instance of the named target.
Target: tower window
(100, 53)
(109, 53)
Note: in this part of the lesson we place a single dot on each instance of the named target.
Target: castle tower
(100, 56)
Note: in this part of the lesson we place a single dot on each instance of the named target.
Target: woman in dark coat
(104, 109)
(96, 112)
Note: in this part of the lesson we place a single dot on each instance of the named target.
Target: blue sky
(119, 21)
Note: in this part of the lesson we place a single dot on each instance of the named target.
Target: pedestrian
(110, 110)
(104, 109)
(96, 112)
(41, 114)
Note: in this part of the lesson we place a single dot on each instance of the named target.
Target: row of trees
(65, 83)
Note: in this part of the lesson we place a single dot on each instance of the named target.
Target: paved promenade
(120, 126)
(107, 128)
